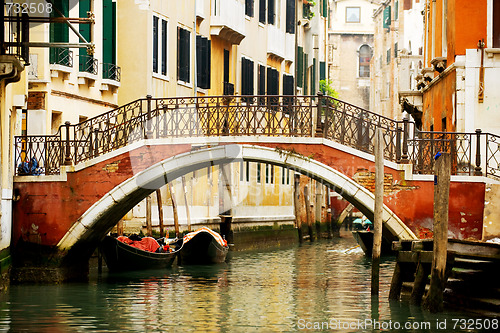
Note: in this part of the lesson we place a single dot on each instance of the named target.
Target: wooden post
(160, 212)
(318, 209)
(419, 284)
(396, 283)
(149, 227)
(188, 215)
(119, 228)
(379, 204)
(308, 213)
(296, 203)
(434, 300)
(174, 209)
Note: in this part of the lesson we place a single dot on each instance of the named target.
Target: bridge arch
(105, 213)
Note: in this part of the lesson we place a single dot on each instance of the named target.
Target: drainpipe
(433, 43)
(296, 30)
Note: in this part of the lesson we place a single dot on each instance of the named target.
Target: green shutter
(300, 66)
(59, 32)
(306, 82)
(313, 78)
(84, 29)
(322, 70)
(387, 17)
(108, 32)
(396, 10)
(325, 8)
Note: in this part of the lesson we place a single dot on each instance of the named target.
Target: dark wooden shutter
(179, 53)
(226, 65)
(249, 7)
(208, 63)
(183, 54)
(300, 66)
(164, 47)
(290, 16)
(199, 61)
(270, 11)
(262, 11)
(322, 70)
(155, 44)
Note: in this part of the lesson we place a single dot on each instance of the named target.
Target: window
(247, 171)
(300, 66)
(247, 76)
(352, 14)
(249, 8)
(365, 54)
(261, 84)
(59, 32)
(109, 32)
(269, 174)
(273, 81)
(183, 54)
(262, 11)
(271, 11)
(290, 16)
(388, 60)
(242, 170)
(287, 91)
(322, 70)
(387, 17)
(258, 172)
(86, 61)
(159, 45)
(285, 176)
(203, 63)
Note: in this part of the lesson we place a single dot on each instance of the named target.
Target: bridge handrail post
(398, 143)
(319, 112)
(404, 155)
(148, 117)
(67, 157)
(477, 169)
(96, 142)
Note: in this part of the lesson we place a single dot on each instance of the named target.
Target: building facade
(350, 48)
(397, 57)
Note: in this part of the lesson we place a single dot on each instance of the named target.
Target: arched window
(365, 54)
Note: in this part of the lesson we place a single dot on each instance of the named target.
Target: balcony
(61, 56)
(87, 70)
(228, 89)
(276, 42)
(228, 20)
(111, 76)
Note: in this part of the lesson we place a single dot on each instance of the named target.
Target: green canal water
(322, 286)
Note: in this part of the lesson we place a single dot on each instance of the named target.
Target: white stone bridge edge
(187, 162)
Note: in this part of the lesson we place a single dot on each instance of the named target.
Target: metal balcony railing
(88, 64)
(61, 56)
(111, 72)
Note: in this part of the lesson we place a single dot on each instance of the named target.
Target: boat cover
(216, 235)
(147, 243)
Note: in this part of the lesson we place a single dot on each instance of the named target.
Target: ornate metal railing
(61, 56)
(111, 71)
(88, 64)
(288, 116)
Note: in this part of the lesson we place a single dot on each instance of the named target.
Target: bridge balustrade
(288, 116)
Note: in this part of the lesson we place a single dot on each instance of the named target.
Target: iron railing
(111, 71)
(61, 56)
(288, 116)
(88, 64)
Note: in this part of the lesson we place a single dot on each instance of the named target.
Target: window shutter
(108, 32)
(84, 29)
(155, 44)
(290, 16)
(313, 78)
(270, 11)
(58, 31)
(306, 81)
(325, 8)
(262, 11)
(243, 76)
(322, 70)
(179, 54)
(208, 63)
(164, 47)
(300, 66)
(199, 61)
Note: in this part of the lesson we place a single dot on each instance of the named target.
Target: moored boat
(120, 256)
(203, 246)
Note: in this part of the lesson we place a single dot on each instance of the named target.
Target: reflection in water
(257, 291)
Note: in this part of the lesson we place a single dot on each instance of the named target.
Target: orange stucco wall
(438, 103)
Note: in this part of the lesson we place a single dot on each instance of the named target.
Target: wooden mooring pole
(160, 212)
(308, 213)
(379, 203)
(442, 169)
(188, 214)
(149, 226)
(174, 210)
(296, 203)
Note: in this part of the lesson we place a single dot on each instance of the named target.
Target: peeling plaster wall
(491, 224)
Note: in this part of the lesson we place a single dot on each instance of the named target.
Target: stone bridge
(91, 174)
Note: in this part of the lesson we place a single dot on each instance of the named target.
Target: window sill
(492, 51)
(185, 84)
(161, 76)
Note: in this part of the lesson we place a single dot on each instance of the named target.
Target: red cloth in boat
(217, 236)
(147, 243)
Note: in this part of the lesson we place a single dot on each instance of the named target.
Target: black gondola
(123, 257)
(203, 247)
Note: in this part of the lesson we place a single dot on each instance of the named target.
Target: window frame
(162, 39)
(182, 55)
(350, 8)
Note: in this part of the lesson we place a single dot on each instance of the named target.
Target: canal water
(323, 286)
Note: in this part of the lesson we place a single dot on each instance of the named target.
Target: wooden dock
(472, 272)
